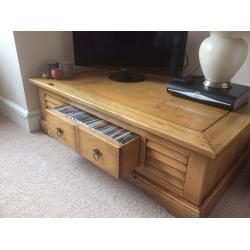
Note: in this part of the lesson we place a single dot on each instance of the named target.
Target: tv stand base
(125, 75)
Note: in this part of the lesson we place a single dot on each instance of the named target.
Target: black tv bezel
(144, 70)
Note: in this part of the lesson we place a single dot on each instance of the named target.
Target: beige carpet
(42, 178)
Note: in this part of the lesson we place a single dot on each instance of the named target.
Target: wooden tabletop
(148, 106)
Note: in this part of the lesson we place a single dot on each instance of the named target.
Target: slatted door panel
(52, 102)
(165, 164)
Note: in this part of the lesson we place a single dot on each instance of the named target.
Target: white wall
(34, 50)
(243, 76)
(12, 97)
(24, 55)
(11, 86)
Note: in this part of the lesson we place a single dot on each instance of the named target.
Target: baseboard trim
(29, 120)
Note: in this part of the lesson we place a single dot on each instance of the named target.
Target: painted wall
(11, 86)
(24, 55)
(34, 50)
(243, 76)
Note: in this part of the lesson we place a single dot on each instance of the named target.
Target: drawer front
(61, 129)
(115, 158)
(102, 153)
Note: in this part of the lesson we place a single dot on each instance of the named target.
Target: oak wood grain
(168, 152)
(167, 160)
(163, 182)
(174, 204)
(186, 151)
(67, 135)
(165, 168)
(196, 173)
(144, 105)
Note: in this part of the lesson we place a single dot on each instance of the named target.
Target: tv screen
(160, 52)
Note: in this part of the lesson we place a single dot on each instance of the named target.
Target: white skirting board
(30, 121)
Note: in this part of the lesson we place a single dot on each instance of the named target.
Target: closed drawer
(62, 129)
(114, 158)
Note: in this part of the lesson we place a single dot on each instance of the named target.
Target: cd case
(99, 125)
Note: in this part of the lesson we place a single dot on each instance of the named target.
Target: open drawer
(114, 158)
(118, 159)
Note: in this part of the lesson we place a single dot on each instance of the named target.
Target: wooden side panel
(143, 151)
(231, 153)
(42, 102)
(222, 185)
(226, 160)
(129, 156)
(204, 174)
(43, 110)
(196, 173)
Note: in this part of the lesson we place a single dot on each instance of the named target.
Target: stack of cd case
(99, 125)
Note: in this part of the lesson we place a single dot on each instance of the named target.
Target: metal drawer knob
(97, 154)
(59, 132)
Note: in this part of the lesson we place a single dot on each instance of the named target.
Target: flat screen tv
(157, 52)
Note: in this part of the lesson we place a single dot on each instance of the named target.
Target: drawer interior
(96, 124)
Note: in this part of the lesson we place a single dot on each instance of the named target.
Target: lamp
(221, 56)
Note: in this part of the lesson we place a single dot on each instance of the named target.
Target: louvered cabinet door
(165, 164)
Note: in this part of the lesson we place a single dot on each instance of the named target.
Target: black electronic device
(230, 99)
(185, 79)
(125, 75)
(132, 53)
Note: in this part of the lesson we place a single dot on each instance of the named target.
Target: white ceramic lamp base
(221, 56)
